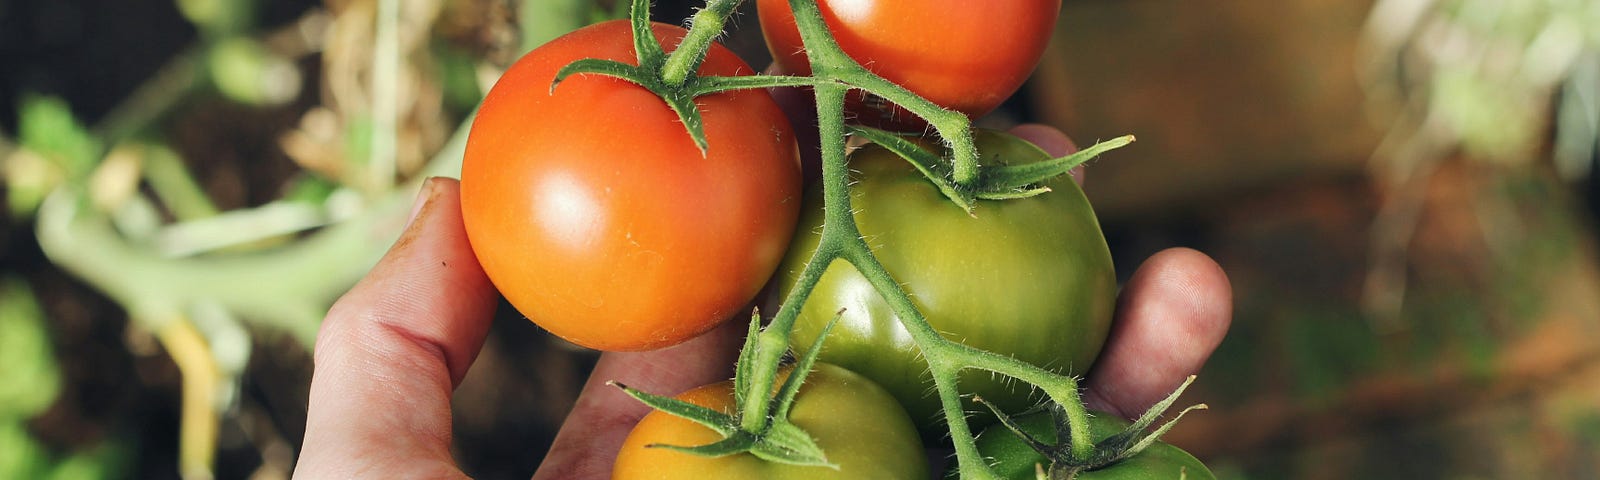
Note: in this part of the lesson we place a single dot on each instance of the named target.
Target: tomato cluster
(601, 219)
(1029, 278)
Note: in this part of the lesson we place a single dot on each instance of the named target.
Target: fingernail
(423, 198)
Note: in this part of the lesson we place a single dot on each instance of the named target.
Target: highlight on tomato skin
(595, 214)
(964, 55)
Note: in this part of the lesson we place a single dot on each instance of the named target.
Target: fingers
(1170, 317)
(392, 349)
(588, 442)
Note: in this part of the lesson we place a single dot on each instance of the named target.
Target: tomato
(1013, 459)
(1029, 278)
(594, 213)
(961, 54)
(858, 425)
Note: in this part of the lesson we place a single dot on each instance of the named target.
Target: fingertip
(1171, 315)
(1201, 290)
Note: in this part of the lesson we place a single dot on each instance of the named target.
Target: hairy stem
(703, 29)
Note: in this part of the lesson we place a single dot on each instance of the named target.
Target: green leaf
(46, 126)
(27, 362)
(21, 456)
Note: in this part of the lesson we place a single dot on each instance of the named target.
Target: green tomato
(858, 425)
(1013, 459)
(1029, 278)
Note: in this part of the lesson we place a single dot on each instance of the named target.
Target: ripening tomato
(858, 425)
(1013, 459)
(594, 213)
(1029, 278)
(961, 54)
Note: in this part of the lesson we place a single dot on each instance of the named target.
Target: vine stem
(829, 61)
(703, 29)
(835, 74)
(841, 238)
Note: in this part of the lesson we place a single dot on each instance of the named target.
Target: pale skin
(392, 350)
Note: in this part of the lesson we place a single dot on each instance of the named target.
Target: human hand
(391, 351)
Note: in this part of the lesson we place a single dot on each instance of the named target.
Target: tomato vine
(760, 425)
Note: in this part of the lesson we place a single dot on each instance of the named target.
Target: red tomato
(965, 55)
(593, 212)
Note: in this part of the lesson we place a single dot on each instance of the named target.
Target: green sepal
(1134, 439)
(645, 45)
(1006, 178)
(1011, 424)
(720, 422)
(1013, 194)
(689, 114)
(717, 84)
(787, 443)
(738, 443)
(802, 369)
(610, 68)
(680, 100)
(745, 364)
(924, 160)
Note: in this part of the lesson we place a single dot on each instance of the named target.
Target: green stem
(1063, 390)
(837, 227)
(829, 61)
(703, 29)
(381, 165)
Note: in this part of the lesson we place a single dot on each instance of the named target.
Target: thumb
(392, 349)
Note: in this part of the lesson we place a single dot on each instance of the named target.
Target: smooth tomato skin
(964, 55)
(1030, 279)
(858, 425)
(1012, 459)
(593, 212)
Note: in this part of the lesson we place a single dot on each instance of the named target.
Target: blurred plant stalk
(1480, 80)
(114, 205)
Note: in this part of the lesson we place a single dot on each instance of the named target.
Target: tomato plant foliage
(597, 216)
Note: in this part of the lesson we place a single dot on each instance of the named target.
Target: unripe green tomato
(1029, 278)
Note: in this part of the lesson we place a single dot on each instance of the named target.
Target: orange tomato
(593, 212)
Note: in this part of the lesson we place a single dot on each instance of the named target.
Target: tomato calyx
(995, 181)
(773, 437)
(1066, 461)
(670, 76)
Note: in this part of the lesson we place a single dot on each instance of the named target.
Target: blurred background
(1402, 192)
